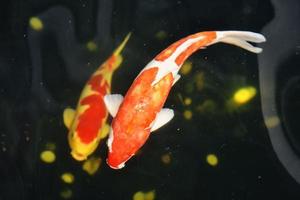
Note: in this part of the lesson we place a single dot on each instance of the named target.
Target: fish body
(141, 110)
(87, 124)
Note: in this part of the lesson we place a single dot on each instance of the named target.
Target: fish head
(123, 145)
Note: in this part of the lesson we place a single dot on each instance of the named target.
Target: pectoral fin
(68, 116)
(163, 117)
(176, 78)
(112, 103)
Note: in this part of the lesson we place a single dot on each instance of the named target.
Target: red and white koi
(87, 124)
(140, 111)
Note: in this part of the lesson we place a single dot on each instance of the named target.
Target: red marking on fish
(131, 124)
(88, 126)
(96, 85)
(90, 121)
(165, 54)
(208, 38)
(111, 61)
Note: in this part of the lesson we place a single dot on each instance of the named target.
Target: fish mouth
(117, 164)
(120, 166)
(78, 156)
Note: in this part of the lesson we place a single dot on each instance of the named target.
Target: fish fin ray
(68, 117)
(112, 103)
(241, 39)
(243, 35)
(176, 78)
(243, 44)
(162, 118)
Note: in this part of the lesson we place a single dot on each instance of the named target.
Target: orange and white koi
(140, 111)
(87, 124)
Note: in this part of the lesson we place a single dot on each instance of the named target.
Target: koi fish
(141, 110)
(87, 124)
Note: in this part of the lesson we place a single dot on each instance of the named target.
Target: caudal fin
(241, 39)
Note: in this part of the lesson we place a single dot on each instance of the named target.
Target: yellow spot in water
(161, 35)
(207, 106)
(150, 195)
(166, 158)
(179, 95)
(189, 87)
(243, 95)
(48, 156)
(212, 159)
(91, 46)
(199, 80)
(51, 146)
(187, 101)
(271, 122)
(67, 177)
(66, 193)
(186, 68)
(138, 196)
(144, 196)
(36, 23)
(91, 165)
(187, 114)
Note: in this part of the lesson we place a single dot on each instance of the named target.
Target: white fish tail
(241, 39)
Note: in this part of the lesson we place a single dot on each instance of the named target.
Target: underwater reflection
(283, 36)
(59, 22)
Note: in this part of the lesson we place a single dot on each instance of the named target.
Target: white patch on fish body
(121, 165)
(161, 118)
(110, 140)
(169, 65)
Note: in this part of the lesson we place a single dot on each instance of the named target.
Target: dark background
(43, 72)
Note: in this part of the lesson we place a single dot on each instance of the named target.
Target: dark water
(256, 144)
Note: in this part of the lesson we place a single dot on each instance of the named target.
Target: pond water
(235, 131)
